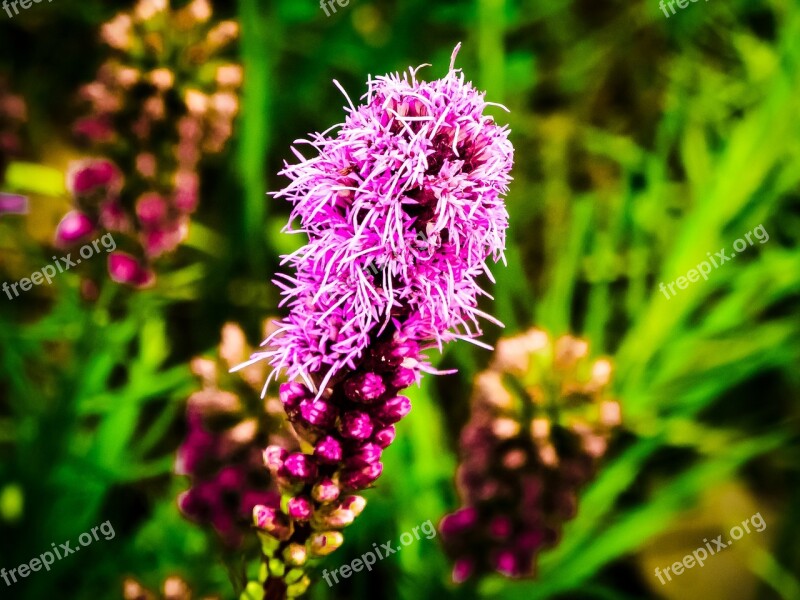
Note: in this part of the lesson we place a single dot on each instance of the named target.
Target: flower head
(526, 451)
(416, 160)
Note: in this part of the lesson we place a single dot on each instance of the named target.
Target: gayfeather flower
(541, 420)
(164, 100)
(417, 159)
(402, 209)
(227, 426)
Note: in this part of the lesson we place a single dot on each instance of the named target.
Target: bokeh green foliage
(642, 144)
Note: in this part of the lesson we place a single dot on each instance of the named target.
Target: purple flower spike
(394, 410)
(73, 227)
(328, 450)
(403, 209)
(300, 508)
(300, 466)
(356, 425)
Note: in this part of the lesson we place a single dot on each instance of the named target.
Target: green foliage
(642, 144)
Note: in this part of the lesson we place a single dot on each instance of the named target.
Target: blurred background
(643, 142)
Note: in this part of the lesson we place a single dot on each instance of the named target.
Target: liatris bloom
(540, 421)
(174, 588)
(164, 100)
(366, 298)
(226, 430)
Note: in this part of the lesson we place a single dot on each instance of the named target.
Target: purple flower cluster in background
(154, 113)
(227, 428)
(540, 421)
(417, 160)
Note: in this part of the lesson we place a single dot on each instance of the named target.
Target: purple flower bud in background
(88, 176)
(365, 388)
(365, 455)
(325, 491)
(318, 413)
(124, 268)
(300, 466)
(385, 436)
(73, 227)
(361, 478)
(151, 210)
(506, 563)
(462, 570)
(394, 410)
(300, 508)
(328, 450)
(459, 521)
(322, 544)
(500, 527)
(356, 425)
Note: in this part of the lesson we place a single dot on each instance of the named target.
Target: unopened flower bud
(292, 393)
(360, 478)
(402, 378)
(317, 413)
(74, 226)
(385, 436)
(272, 521)
(394, 410)
(328, 450)
(300, 508)
(366, 455)
(354, 503)
(325, 491)
(274, 457)
(365, 388)
(300, 466)
(356, 425)
(322, 544)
